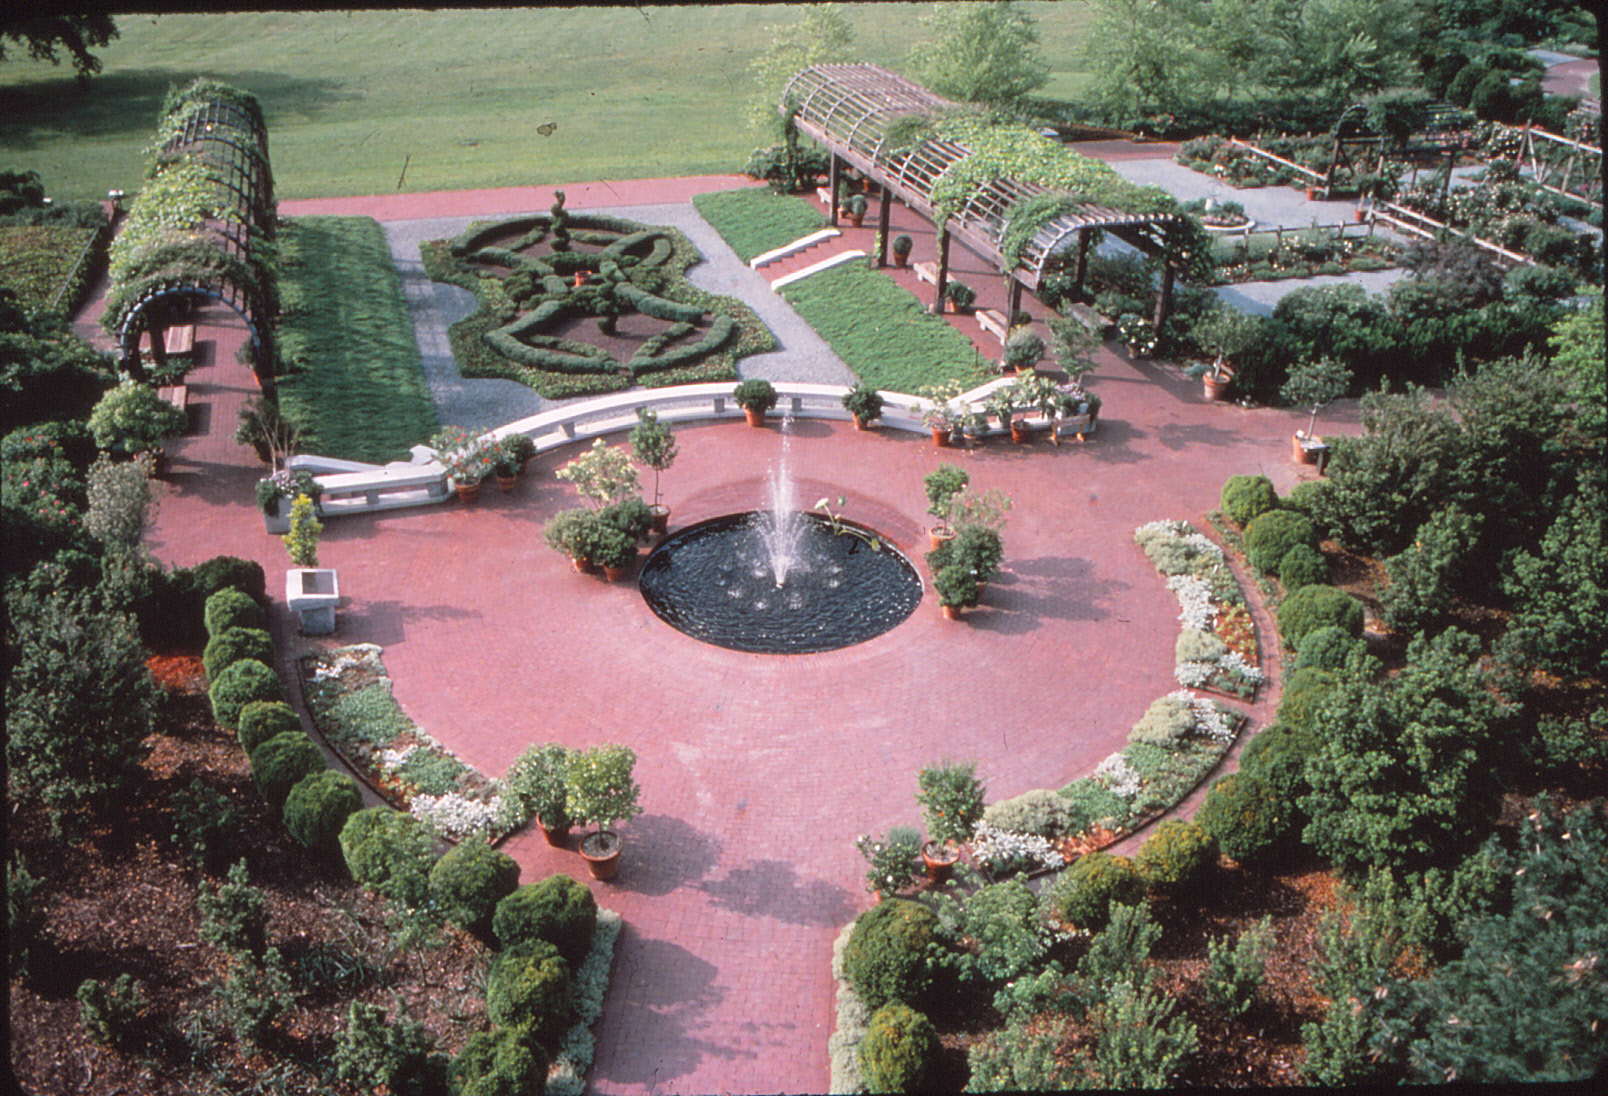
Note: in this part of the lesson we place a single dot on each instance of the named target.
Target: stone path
(757, 771)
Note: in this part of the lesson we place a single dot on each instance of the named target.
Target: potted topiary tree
(902, 246)
(1227, 332)
(951, 799)
(602, 792)
(1023, 350)
(1319, 383)
(540, 778)
(857, 207)
(132, 419)
(653, 444)
(962, 298)
(941, 486)
(755, 396)
(864, 403)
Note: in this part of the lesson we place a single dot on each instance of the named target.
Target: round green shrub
(1274, 533)
(558, 910)
(1304, 694)
(319, 805)
(1277, 757)
(1244, 816)
(1096, 881)
(1327, 648)
(469, 881)
(233, 644)
(899, 1047)
(500, 1062)
(1303, 565)
(1040, 811)
(222, 572)
(1310, 498)
(386, 849)
(529, 989)
(240, 684)
(1312, 607)
(261, 720)
(1246, 498)
(1176, 857)
(232, 608)
(888, 956)
(279, 764)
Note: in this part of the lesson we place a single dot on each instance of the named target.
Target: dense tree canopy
(980, 52)
(46, 35)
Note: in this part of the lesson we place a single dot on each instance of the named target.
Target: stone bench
(993, 321)
(1097, 324)
(927, 272)
(383, 489)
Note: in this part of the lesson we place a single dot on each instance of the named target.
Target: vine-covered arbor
(197, 230)
(857, 112)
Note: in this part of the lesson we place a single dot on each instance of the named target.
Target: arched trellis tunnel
(155, 310)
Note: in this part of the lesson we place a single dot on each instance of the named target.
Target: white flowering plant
(1002, 852)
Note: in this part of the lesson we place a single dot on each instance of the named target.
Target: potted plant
(653, 444)
(612, 548)
(957, 589)
(302, 540)
(601, 791)
(857, 207)
(951, 799)
(1023, 350)
(1001, 403)
(272, 491)
(902, 246)
(466, 457)
(1139, 334)
(540, 778)
(892, 861)
(941, 486)
(1318, 383)
(574, 532)
(132, 419)
(755, 396)
(864, 403)
(969, 509)
(1227, 332)
(943, 412)
(508, 458)
(975, 550)
(962, 298)
(603, 475)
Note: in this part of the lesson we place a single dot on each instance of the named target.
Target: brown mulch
(119, 897)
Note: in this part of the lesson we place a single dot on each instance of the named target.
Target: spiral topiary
(469, 881)
(898, 1050)
(318, 806)
(1096, 881)
(240, 684)
(889, 953)
(557, 910)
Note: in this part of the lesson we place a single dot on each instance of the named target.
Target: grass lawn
(347, 338)
(455, 97)
(754, 221)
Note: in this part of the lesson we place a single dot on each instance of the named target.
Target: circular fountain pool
(717, 581)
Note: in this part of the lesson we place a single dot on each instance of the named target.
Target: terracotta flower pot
(940, 437)
(1020, 431)
(937, 538)
(900, 260)
(755, 417)
(1215, 387)
(951, 612)
(506, 483)
(939, 860)
(583, 566)
(615, 574)
(556, 835)
(468, 492)
(661, 519)
(861, 423)
(601, 851)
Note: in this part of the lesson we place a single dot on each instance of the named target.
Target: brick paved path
(757, 771)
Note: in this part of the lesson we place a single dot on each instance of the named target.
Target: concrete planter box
(278, 522)
(313, 592)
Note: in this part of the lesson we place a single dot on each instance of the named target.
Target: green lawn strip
(346, 338)
(881, 331)
(754, 221)
(36, 260)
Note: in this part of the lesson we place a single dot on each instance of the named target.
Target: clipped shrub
(1039, 811)
(1084, 894)
(1303, 565)
(371, 1051)
(1276, 756)
(889, 955)
(233, 608)
(1304, 694)
(899, 1047)
(318, 806)
(233, 644)
(557, 909)
(1270, 536)
(204, 825)
(529, 989)
(1246, 498)
(222, 572)
(1244, 816)
(1327, 648)
(279, 764)
(261, 720)
(111, 1016)
(1167, 721)
(500, 1062)
(240, 684)
(1176, 857)
(469, 881)
(1312, 607)
(388, 850)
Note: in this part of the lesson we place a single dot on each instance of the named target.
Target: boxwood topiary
(1303, 565)
(1328, 648)
(529, 989)
(1277, 757)
(222, 572)
(233, 608)
(240, 684)
(500, 1062)
(558, 910)
(1245, 816)
(279, 764)
(389, 850)
(469, 881)
(233, 644)
(318, 806)
(1304, 693)
(1311, 607)
(1274, 533)
(1246, 498)
(889, 956)
(261, 720)
(898, 1050)
(1176, 857)
(1096, 881)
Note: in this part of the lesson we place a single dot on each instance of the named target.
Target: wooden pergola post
(1084, 238)
(883, 212)
(941, 283)
(1013, 299)
(832, 177)
(1164, 299)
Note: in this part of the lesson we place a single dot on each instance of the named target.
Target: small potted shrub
(1318, 383)
(943, 413)
(856, 207)
(1023, 351)
(864, 403)
(962, 298)
(892, 861)
(603, 475)
(902, 247)
(612, 549)
(957, 589)
(653, 444)
(540, 778)
(941, 486)
(951, 799)
(573, 532)
(755, 396)
(602, 792)
(466, 457)
(509, 457)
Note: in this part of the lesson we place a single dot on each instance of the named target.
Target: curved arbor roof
(849, 109)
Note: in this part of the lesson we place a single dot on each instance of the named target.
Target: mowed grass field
(379, 101)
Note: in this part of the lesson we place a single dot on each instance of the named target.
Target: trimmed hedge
(381, 846)
(1311, 607)
(282, 762)
(233, 608)
(888, 956)
(1304, 693)
(1327, 648)
(1246, 498)
(1176, 857)
(1303, 565)
(1270, 536)
(500, 1062)
(1096, 881)
(233, 644)
(318, 806)
(240, 684)
(1277, 757)
(261, 720)
(1245, 816)
(529, 990)
(898, 1050)
(557, 910)
(222, 572)
(469, 881)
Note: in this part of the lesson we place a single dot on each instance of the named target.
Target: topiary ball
(1304, 693)
(1244, 816)
(500, 1062)
(318, 806)
(279, 764)
(232, 608)
(898, 1050)
(240, 684)
(261, 720)
(1176, 857)
(888, 957)
(1328, 648)
(1246, 498)
(389, 850)
(1277, 757)
(1312, 607)
(469, 881)
(1303, 565)
(1096, 881)
(557, 909)
(222, 572)
(529, 989)
(233, 644)
(1274, 533)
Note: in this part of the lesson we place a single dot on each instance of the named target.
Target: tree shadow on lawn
(771, 888)
(1019, 600)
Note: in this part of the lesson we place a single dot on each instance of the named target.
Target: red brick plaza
(757, 771)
